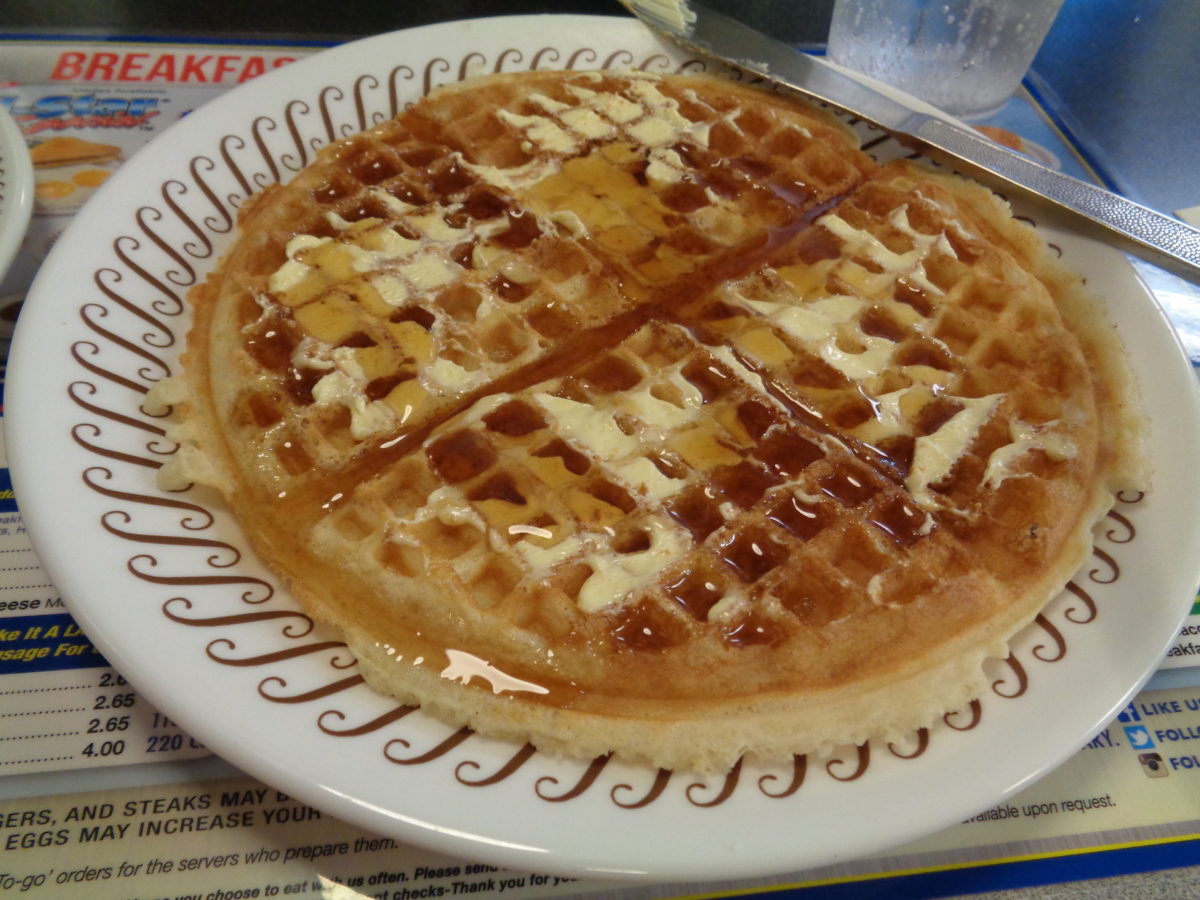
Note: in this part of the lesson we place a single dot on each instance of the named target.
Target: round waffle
(646, 414)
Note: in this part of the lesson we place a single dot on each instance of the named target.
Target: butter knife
(1160, 239)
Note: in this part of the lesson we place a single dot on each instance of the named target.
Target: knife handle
(1160, 239)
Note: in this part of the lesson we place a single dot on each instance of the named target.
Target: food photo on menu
(508, 446)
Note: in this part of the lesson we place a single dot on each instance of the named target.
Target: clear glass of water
(966, 57)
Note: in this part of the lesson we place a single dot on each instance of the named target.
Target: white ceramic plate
(164, 586)
(16, 190)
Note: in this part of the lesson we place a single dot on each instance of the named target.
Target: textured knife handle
(1163, 240)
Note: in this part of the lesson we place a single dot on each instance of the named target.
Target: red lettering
(225, 66)
(192, 68)
(101, 67)
(163, 68)
(253, 68)
(131, 67)
(68, 66)
(283, 61)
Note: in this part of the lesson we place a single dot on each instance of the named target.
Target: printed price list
(62, 706)
(79, 718)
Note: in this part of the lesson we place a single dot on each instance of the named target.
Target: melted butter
(648, 116)
(690, 396)
(428, 272)
(541, 560)
(392, 290)
(656, 412)
(377, 245)
(666, 165)
(728, 606)
(587, 123)
(294, 270)
(398, 266)
(446, 377)
(645, 477)
(434, 226)
(394, 204)
(366, 417)
(890, 419)
(675, 13)
(861, 365)
(445, 504)
(935, 454)
(810, 322)
(570, 222)
(614, 107)
(464, 667)
(541, 132)
(1026, 438)
(588, 427)
(311, 354)
(514, 179)
(615, 575)
(819, 324)
(549, 104)
(910, 263)
(663, 124)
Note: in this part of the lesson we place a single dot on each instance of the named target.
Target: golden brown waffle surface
(646, 414)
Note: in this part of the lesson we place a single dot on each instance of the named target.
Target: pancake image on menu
(67, 171)
(647, 415)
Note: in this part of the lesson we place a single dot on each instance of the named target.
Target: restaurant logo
(55, 112)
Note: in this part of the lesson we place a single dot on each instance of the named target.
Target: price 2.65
(104, 726)
(114, 701)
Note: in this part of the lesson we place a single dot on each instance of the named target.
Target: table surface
(1121, 75)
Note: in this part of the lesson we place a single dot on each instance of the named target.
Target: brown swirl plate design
(167, 588)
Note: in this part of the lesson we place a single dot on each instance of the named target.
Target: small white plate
(167, 589)
(16, 190)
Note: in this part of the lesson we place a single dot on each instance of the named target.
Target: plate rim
(41, 528)
(16, 199)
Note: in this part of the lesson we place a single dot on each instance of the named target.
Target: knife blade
(1160, 239)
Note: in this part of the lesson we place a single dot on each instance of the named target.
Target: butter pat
(615, 575)
(585, 426)
(935, 454)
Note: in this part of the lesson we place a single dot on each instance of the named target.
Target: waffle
(647, 415)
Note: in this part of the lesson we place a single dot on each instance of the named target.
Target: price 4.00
(103, 748)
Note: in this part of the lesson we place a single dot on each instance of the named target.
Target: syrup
(573, 461)
(696, 510)
(743, 483)
(904, 523)
(799, 518)
(753, 630)
(751, 554)
(460, 455)
(695, 591)
(644, 627)
(515, 418)
(847, 486)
